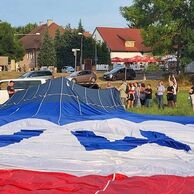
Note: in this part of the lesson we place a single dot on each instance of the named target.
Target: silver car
(20, 84)
(46, 74)
(84, 76)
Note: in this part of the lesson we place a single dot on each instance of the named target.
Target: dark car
(85, 76)
(120, 74)
(90, 85)
(46, 74)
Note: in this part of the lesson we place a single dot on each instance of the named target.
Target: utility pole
(81, 49)
(75, 54)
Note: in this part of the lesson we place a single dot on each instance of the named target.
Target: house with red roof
(32, 43)
(122, 42)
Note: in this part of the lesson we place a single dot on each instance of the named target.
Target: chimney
(49, 22)
(41, 23)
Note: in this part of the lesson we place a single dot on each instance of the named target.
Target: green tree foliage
(47, 55)
(80, 27)
(167, 26)
(57, 45)
(71, 40)
(24, 29)
(103, 54)
(9, 44)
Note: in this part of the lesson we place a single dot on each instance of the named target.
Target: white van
(20, 84)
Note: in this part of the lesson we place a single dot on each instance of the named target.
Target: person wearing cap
(10, 89)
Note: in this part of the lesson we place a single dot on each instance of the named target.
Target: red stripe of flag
(35, 182)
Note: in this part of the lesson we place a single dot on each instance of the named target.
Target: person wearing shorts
(131, 96)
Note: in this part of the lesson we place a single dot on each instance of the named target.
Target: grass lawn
(183, 107)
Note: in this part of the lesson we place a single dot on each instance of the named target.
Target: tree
(71, 40)
(9, 44)
(57, 45)
(103, 54)
(80, 27)
(24, 29)
(47, 55)
(89, 48)
(167, 27)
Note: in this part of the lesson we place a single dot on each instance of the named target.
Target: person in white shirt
(160, 94)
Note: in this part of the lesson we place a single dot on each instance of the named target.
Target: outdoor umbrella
(117, 59)
(149, 59)
(136, 58)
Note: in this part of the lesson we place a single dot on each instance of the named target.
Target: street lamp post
(81, 48)
(75, 54)
(95, 51)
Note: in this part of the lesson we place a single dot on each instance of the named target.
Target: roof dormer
(129, 43)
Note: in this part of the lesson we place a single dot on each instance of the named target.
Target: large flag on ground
(62, 138)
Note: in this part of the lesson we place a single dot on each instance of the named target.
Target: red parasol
(149, 59)
(136, 58)
(117, 59)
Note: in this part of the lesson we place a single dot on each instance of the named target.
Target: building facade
(32, 43)
(122, 42)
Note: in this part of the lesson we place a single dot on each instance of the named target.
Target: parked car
(46, 74)
(90, 85)
(118, 65)
(67, 69)
(19, 84)
(119, 74)
(189, 68)
(84, 76)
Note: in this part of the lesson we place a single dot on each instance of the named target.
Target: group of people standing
(135, 94)
(138, 94)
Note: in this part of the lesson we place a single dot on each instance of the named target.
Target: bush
(152, 67)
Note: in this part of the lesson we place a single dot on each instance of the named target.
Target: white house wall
(96, 35)
(124, 54)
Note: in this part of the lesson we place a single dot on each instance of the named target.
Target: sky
(93, 13)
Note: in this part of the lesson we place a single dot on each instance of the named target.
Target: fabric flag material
(60, 137)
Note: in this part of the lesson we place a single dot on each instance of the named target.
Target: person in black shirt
(10, 89)
(148, 97)
(170, 95)
(191, 93)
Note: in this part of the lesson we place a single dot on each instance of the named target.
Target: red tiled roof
(115, 39)
(35, 41)
(87, 34)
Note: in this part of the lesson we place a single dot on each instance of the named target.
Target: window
(121, 71)
(30, 55)
(130, 44)
(20, 85)
(86, 72)
(48, 73)
(34, 74)
(26, 84)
